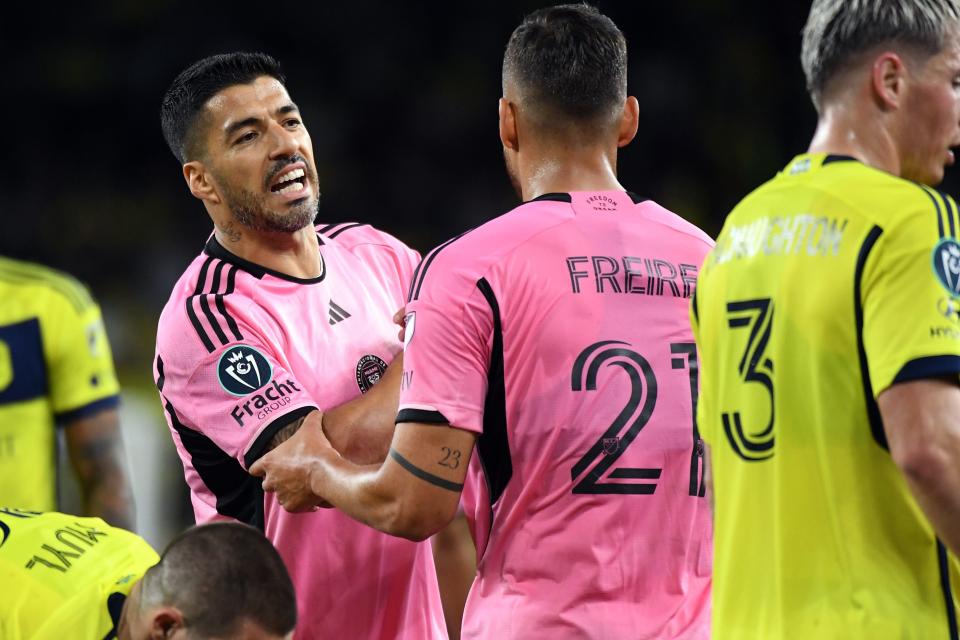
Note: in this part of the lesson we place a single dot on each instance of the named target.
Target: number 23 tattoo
(451, 458)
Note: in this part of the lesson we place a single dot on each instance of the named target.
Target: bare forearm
(99, 462)
(937, 490)
(358, 491)
(361, 430)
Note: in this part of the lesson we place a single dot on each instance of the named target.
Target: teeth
(296, 186)
(291, 175)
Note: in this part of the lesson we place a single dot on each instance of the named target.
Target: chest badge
(369, 371)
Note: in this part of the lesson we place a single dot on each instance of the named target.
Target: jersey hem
(86, 410)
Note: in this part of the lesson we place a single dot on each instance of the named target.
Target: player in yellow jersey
(56, 368)
(828, 319)
(64, 576)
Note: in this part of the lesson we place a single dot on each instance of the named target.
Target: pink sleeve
(447, 351)
(239, 396)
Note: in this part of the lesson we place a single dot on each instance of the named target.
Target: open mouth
(292, 181)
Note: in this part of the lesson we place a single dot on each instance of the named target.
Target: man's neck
(294, 254)
(581, 170)
(866, 137)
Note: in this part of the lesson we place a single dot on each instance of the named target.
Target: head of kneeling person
(217, 581)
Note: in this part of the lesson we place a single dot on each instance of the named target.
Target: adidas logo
(337, 313)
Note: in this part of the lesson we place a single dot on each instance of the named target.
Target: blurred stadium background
(400, 99)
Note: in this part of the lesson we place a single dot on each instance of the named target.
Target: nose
(283, 141)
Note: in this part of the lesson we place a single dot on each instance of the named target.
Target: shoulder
(350, 235)
(57, 289)
(670, 220)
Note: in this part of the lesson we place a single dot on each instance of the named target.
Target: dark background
(401, 102)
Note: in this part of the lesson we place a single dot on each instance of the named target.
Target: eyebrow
(247, 122)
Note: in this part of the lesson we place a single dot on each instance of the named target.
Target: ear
(199, 182)
(166, 622)
(887, 80)
(508, 125)
(629, 122)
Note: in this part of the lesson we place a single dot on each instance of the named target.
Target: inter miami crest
(369, 371)
(242, 370)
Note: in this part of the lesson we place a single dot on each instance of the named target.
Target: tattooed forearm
(230, 232)
(450, 459)
(425, 475)
(285, 433)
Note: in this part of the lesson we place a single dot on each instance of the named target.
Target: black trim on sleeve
(110, 402)
(942, 563)
(422, 416)
(160, 377)
(928, 367)
(239, 495)
(259, 446)
(216, 250)
(493, 445)
(873, 411)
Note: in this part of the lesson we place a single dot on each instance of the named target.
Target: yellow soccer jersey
(55, 365)
(62, 576)
(827, 284)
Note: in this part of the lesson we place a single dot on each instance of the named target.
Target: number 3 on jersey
(755, 366)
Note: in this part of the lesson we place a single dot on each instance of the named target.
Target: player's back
(65, 576)
(55, 364)
(818, 296)
(586, 503)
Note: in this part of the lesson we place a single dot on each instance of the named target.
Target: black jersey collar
(216, 250)
(566, 197)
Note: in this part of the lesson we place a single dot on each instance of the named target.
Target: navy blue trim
(951, 209)
(216, 250)
(239, 495)
(936, 205)
(422, 416)
(837, 157)
(873, 411)
(493, 446)
(30, 381)
(110, 402)
(928, 367)
(261, 444)
(943, 563)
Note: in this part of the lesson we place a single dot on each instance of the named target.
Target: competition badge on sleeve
(242, 370)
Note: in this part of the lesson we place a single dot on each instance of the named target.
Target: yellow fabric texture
(828, 284)
(55, 363)
(58, 572)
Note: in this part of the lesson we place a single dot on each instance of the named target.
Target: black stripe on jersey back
(943, 564)
(160, 377)
(194, 320)
(873, 411)
(493, 446)
(239, 495)
(421, 271)
(940, 213)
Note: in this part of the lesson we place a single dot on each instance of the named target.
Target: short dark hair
(838, 30)
(183, 102)
(219, 575)
(569, 61)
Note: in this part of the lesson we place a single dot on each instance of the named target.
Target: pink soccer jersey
(559, 334)
(241, 352)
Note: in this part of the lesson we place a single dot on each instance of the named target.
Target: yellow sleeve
(910, 296)
(81, 373)
(703, 399)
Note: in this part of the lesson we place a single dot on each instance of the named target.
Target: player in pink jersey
(550, 374)
(274, 319)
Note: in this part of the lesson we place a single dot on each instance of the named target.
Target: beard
(250, 209)
(510, 162)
